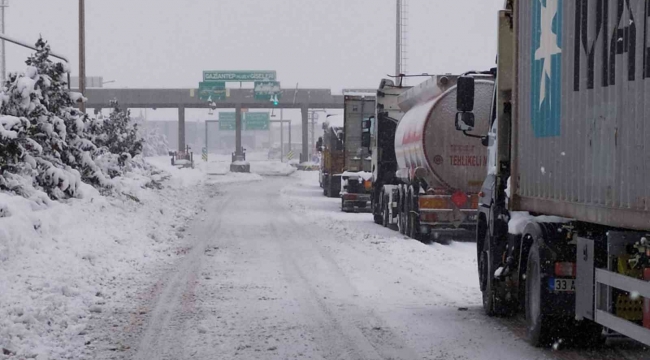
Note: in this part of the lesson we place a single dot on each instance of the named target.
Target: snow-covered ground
(61, 264)
(358, 230)
(276, 271)
(237, 266)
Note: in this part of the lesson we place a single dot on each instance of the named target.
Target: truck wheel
(378, 218)
(401, 223)
(414, 220)
(492, 305)
(330, 189)
(377, 211)
(407, 213)
(385, 210)
(486, 279)
(539, 326)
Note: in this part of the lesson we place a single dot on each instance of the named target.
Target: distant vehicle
(426, 176)
(332, 160)
(183, 159)
(564, 221)
(356, 178)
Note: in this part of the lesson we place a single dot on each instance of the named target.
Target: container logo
(546, 82)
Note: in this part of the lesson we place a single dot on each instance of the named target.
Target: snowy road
(272, 270)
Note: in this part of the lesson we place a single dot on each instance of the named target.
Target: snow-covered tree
(119, 134)
(38, 148)
(52, 144)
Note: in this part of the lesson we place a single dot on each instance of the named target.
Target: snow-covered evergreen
(46, 144)
(119, 134)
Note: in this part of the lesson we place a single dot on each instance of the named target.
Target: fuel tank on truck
(426, 138)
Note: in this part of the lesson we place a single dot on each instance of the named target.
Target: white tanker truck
(426, 175)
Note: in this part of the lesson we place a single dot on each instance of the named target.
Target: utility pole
(401, 37)
(398, 39)
(312, 145)
(3, 4)
(82, 52)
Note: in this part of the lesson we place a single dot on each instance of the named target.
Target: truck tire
(325, 185)
(377, 209)
(401, 223)
(331, 188)
(540, 327)
(492, 304)
(407, 213)
(414, 219)
(385, 210)
(486, 278)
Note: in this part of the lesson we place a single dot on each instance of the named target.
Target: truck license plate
(563, 284)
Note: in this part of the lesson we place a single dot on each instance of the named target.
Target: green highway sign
(251, 121)
(227, 121)
(264, 90)
(225, 75)
(257, 120)
(212, 91)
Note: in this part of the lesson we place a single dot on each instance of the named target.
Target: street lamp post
(82, 52)
(3, 5)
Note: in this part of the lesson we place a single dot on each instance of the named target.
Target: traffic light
(274, 99)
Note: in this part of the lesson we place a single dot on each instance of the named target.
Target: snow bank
(61, 262)
(233, 178)
(180, 176)
(272, 168)
(519, 220)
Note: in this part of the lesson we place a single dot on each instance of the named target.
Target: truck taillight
(429, 217)
(567, 269)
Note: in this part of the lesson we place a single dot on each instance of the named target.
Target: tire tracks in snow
(351, 330)
(161, 339)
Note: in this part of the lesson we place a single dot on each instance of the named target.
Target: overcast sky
(317, 43)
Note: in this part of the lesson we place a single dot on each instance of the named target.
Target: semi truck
(426, 176)
(332, 160)
(564, 211)
(355, 180)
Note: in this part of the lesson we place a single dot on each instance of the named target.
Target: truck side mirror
(465, 94)
(366, 124)
(464, 121)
